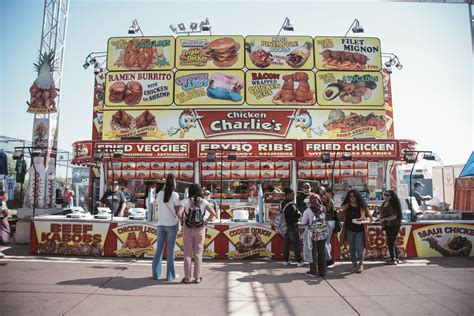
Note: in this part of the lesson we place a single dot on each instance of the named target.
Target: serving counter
(228, 240)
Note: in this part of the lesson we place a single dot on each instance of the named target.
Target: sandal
(185, 281)
(198, 280)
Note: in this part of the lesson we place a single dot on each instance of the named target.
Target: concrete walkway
(36, 285)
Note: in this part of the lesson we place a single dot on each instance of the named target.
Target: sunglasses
(352, 196)
(386, 194)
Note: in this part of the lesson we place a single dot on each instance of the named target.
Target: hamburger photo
(223, 51)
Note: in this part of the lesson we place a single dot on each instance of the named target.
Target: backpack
(279, 221)
(195, 217)
(318, 229)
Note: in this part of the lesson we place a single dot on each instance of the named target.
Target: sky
(432, 94)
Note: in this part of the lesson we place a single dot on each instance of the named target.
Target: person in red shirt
(68, 196)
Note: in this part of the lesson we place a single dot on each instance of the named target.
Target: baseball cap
(115, 182)
(306, 185)
(418, 184)
(207, 192)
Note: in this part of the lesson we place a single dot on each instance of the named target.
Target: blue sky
(432, 94)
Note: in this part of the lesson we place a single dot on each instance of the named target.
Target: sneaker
(310, 274)
(329, 263)
(175, 277)
(2, 255)
(393, 262)
(286, 263)
(300, 264)
(354, 268)
(360, 268)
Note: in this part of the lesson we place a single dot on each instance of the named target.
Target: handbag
(174, 213)
(319, 230)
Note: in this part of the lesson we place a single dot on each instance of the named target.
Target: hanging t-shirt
(9, 185)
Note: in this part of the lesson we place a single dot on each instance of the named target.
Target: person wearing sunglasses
(391, 220)
(355, 216)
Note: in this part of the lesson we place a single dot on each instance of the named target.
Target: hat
(314, 199)
(418, 184)
(207, 192)
(115, 182)
(306, 185)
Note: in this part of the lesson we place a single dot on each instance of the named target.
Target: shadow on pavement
(119, 283)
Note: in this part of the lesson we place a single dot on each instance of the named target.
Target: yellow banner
(378, 246)
(250, 240)
(140, 53)
(131, 123)
(335, 88)
(444, 240)
(279, 52)
(138, 88)
(211, 87)
(78, 239)
(280, 87)
(347, 53)
(210, 235)
(209, 52)
(135, 240)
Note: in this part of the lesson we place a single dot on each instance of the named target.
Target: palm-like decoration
(43, 92)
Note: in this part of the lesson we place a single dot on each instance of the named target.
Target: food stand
(274, 102)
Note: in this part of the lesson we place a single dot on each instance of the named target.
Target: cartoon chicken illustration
(304, 121)
(186, 121)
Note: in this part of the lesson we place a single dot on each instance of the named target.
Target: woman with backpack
(315, 214)
(355, 216)
(169, 213)
(391, 220)
(194, 228)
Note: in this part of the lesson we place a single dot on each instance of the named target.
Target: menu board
(209, 87)
(279, 52)
(140, 53)
(347, 53)
(349, 88)
(209, 52)
(280, 87)
(137, 88)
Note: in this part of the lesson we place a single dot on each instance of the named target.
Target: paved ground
(35, 285)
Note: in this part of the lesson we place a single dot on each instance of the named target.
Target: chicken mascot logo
(186, 121)
(304, 121)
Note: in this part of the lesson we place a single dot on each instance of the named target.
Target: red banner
(358, 149)
(241, 122)
(147, 149)
(262, 149)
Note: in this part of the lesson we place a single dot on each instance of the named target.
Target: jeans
(292, 237)
(69, 204)
(319, 257)
(356, 246)
(392, 232)
(331, 225)
(165, 233)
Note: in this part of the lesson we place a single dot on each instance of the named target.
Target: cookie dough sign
(210, 236)
(447, 240)
(135, 240)
(248, 241)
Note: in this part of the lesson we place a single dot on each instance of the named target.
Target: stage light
(173, 28)
(193, 26)
(356, 27)
(181, 27)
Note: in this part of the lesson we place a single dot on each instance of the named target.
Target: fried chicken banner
(280, 87)
(347, 53)
(140, 53)
(135, 240)
(209, 52)
(349, 88)
(279, 52)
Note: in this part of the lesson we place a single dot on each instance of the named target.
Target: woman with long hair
(316, 212)
(355, 217)
(331, 219)
(169, 213)
(391, 220)
(194, 228)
